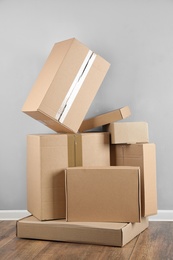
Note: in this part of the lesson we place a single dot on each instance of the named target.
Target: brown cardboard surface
(110, 234)
(105, 119)
(110, 194)
(144, 156)
(47, 157)
(128, 132)
(55, 80)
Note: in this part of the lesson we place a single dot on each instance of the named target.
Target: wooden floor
(154, 243)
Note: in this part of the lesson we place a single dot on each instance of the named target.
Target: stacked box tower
(83, 184)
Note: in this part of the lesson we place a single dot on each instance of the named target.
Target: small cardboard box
(66, 86)
(128, 132)
(144, 156)
(105, 119)
(103, 194)
(110, 234)
(47, 157)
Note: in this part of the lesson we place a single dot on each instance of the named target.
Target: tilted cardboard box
(47, 157)
(144, 156)
(105, 119)
(128, 132)
(105, 194)
(110, 234)
(66, 86)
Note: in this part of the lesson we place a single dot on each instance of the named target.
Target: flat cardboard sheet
(110, 234)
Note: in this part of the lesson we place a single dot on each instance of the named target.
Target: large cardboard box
(110, 234)
(105, 119)
(144, 156)
(105, 194)
(66, 86)
(128, 132)
(47, 157)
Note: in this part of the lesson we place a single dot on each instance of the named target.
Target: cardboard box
(66, 86)
(128, 132)
(105, 194)
(105, 119)
(47, 157)
(110, 234)
(144, 156)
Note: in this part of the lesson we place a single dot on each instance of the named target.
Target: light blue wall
(136, 37)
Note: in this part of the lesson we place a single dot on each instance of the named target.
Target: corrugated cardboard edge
(105, 118)
(66, 195)
(149, 152)
(18, 222)
(131, 230)
(139, 194)
(125, 112)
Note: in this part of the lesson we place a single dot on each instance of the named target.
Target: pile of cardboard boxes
(84, 186)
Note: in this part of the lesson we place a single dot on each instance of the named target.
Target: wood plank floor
(155, 243)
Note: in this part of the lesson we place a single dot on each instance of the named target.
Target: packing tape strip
(78, 150)
(71, 150)
(74, 150)
(76, 86)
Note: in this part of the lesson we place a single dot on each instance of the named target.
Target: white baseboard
(13, 214)
(163, 215)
